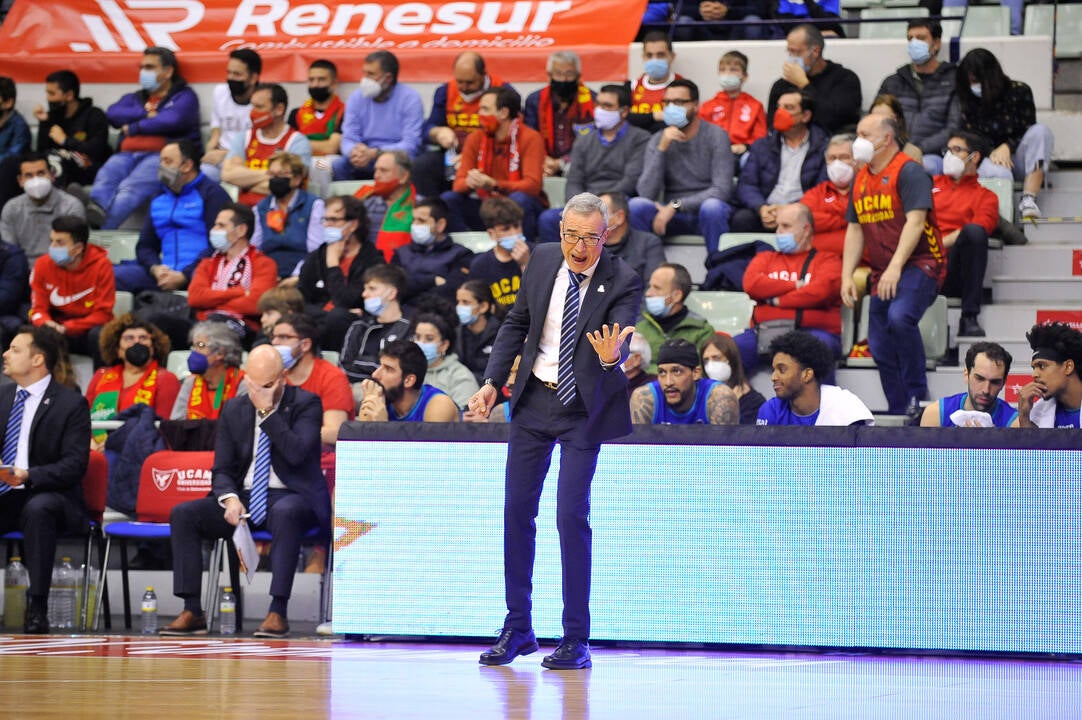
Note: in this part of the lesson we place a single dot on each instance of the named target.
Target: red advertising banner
(1015, 382)
(1076, 262)
(1071, 317)
(102, 39)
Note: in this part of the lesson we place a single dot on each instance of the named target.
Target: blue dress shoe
(572, 654)
(509, 646)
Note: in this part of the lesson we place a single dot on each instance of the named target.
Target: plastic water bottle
(16, 582)
(61, 607)
(150, 612)
(450, 164)
(227, 612)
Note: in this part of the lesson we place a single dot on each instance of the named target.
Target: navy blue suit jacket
(59, 442)
(613, 296)
(295, 447)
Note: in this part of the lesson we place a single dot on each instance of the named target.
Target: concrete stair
(1035, 261)
(1027, 288)
(1060, 202)
(1008, 320)
(1053, 231)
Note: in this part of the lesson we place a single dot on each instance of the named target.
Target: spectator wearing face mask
(504, 158)
(216, 375)
(733, 110)
(289, 221)
(71, 130)
(251, 151)
(502, 266)
(231, 110)
(134, 353)
(664, 315)
(559, 109)
(26, 219)
(836, 89)
(331, 279)
(72, 287)
(381, 115)
(433, 261)
(782, 166)
(320, 119)
(174, 235)
(389, 202)
(648, 92)
(721, 362)
(381, 323)
(478, 324)
(797, 284)
(433, 335)
(966, 213)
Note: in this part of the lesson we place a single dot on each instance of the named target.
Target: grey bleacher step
(1012, 320)
(1016, 346)
(1016, 288)
(1060, 203)
(1053, 230)
(1034, 260)
(1065, 180)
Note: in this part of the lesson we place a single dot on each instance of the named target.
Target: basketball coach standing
(575, 394)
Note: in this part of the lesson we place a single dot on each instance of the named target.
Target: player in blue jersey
(396, 391)
(800, 361)
(1053, 398)
(681, 395)
(987, 365)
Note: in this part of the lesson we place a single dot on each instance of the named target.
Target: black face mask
(319, 94)
(279, 186)
(138, 355)
(564, 89)
(237, 89)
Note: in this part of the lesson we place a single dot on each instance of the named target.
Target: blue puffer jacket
(290, 247)
(176, 228)
(760, 174)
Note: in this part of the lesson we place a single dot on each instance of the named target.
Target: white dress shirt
(547, 365)
(30, 408)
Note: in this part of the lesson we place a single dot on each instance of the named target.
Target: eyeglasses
(275, 338)
(201, 344)
(958, 149)
(333, 220)
(574, 239)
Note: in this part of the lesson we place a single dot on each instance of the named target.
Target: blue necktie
(257, 501)
(11, 435)
(565, 381)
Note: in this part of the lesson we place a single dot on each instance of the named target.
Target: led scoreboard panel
(787, 536)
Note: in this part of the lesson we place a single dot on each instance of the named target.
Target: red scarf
(581, 110)
(320, 124)
(486, 155)
(110, 387)
(205, 405)
(461, 115)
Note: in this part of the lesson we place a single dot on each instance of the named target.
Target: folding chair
(167, 479)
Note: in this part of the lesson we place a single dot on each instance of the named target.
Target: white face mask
(863, 150)
(718, 370)
(975, 88)
(370, 88)
(606, 119)
(729, 82)
(38, 188)
(953, 166)
(840, 173)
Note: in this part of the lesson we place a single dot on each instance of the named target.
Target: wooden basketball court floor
(147, 677)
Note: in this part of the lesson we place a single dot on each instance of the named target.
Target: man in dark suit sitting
(273, 482)
(46, 446)
(568, 392)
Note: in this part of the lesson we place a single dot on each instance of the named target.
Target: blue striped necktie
(11, 435)
(565, 381)
(257, 501)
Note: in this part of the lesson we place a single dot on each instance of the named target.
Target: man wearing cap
(681, 395)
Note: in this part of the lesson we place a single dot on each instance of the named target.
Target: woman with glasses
(214, 363)
(330, 279)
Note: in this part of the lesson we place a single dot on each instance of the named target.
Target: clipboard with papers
(247, 552)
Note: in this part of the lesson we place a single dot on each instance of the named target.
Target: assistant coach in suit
(46, 448)
(286, 493)
(575, 394)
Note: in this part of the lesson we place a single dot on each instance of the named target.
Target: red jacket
(828, 205)
(743, 117)
(237, 301)
(774, 275)
(531, 149)
(962, 203)
(78, 299)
